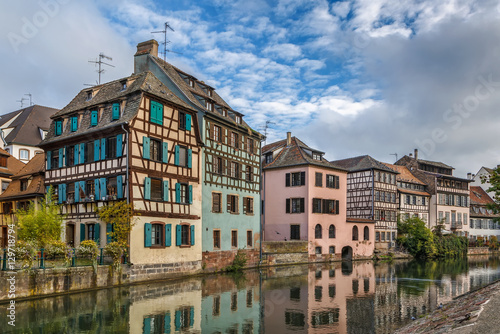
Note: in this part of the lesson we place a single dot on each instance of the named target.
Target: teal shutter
(58, 128)
(97, 233)
(168, 235)
(97, 145)
(119, 145)
(77, 192)
(164, 153)
(167, 323)
(147, 188)
(49, 160)
(146, 141)
(190, 158)
(147, 235)
(64, 192)
(59, 193)
(66, 156)
(76, 155)
(74, 123)
(159, 113)
(177, 193)
(190, 189)
(178, 236)
(177, 320)
(47, 189)
(188, 122)
(109, 230)
(177, 155)
(103, 148)
(119, 186)
(82, 232)
(103, 189)
(153, 112)
(146, 326)
(82, 153)
(191, 316)
(96, 189)
(165, 191)
(192, 234)
(116, 111)
(93, 118)
(61, 157)
(82, 190)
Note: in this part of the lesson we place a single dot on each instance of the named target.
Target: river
(357, 297)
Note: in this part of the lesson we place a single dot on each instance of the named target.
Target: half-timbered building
(131, 139)
(483, 221)
(304, 198)
(230, 164)
(372, 194)
(449, 202)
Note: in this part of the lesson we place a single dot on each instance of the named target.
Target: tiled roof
(35, 168)
(404, 174)
(273, 146)
(13, 165)
(414, 192)
(361, 163)
(435, 163)
(294, 154)
(479, 196)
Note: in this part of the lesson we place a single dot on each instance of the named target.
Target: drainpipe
(262, 218)
(127, 188)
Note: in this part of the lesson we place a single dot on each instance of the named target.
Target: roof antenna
(100, 63)
(22, 101)
(165, 41)
(265, 129)
(395, 154)
(29, 94)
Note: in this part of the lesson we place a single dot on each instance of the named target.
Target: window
(24, 185)
(295, 205)
(185, 235)
(317, 232)
(74, 123)
(5, 185)
(181, 156)
(332, 181)
(319, 179)
(354, 233)
(234, 140)
(89, 189)
(298, 179)
(184, 191)
(331, 232)
(294, 232)
(316, 205)
(234, 171)
(156, 189)
(209, 105)
(269, 158)
(217, 165)
(70, 156)
(216, 133)
(182, 120)
(111, 148)
(91, 231)
(250, 145)
(89, 95)
(24, 154)
(238, 119)
(249, 174)
(58, 127)
(248, 205)
(330, 206)
(112, 186)
(55, 159)
(316, 156)
(366, 233)
(156, 112)
(216, 239)
(3, 161)
(249, 239)
(217, 202)
(89, 152)
(331, 250)
(157, 235)
(377, 236)
(155, 150)
(318, 250)
(232, 203)
(234, 239)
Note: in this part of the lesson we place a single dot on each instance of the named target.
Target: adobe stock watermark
(31, 27)
(11, 264)
(455, 116)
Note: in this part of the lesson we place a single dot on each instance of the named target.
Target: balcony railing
(456, 225)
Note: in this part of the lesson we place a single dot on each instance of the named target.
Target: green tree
(43, 225)
(494, 179)
(414, 235)
(119, 214)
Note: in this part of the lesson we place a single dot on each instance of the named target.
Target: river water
(357, 297)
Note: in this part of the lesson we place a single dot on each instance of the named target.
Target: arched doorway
(347, 253)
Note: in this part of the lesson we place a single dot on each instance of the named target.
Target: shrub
(89, 248)
(25, 252)
(59, 248)
(115, 250)
(239, 262)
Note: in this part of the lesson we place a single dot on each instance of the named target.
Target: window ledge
(158, 247)
(185, 246)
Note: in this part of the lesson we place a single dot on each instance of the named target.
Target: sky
(349, 78)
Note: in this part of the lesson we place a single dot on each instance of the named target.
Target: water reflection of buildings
(336, 298)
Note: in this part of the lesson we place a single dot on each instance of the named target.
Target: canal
(357, 297)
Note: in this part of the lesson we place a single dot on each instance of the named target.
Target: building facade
(477, 179)
(483, 221)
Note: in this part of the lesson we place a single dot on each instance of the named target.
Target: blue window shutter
(103, 189)
(164, 153)
(190, 188)
(146, 326)
(82, 232)
(176, 155)
(146, 147)
(96, 189)
(49, 160)
(147, 188)
(178, 320)
(109, 229)
(77, 192)
(97, 145)
(47, 189)
(119, 186)
(192, 235)
(66, 156)
(168, 235)
(82, 153)
(165, 191)
(61, 157)
(190, 158)
(58, 128)
(82, 189)
(76, 154)
(191, 316)
(178, 237)
(119, 145)
(188, 122)
(93, 118)
(59, 193)
(159, 113)
(153, 112)
(103, 148)
(97, 233)
(147, 235)
(116, 111)
(177, 193)
(64, 191)
(167, 323)
(74, 123)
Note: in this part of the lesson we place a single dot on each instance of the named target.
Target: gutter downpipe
(262, 198)
(127, 163)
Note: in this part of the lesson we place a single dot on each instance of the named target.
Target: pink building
(305, 198)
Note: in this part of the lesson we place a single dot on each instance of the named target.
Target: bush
(59, 248)
(25, 252)
(239, 262)
(89, 248)
(115, 250)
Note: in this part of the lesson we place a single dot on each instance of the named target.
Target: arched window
(355, 233)
(317, 232)
(366, 233)
(331, 232)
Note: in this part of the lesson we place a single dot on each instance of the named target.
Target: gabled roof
(34, 169)
(435, 163)
(364, 162)
(404, 174)
(295, 154)
(13, 165)
(27, 125)
(479, 197)
(35, 166)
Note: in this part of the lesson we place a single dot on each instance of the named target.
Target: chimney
(141, 63)
(416, 154)
(288, 138)
(469, 176)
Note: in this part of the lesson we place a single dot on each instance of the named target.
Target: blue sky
(347, 77)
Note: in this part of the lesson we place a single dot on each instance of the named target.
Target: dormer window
(74, 123)
(3, 161)
(316, 156)
(24, 185)
(209, 91)
(89, 95)
(224, 112)
(58, 126)
(269, 158)
(191, 83)
(209, 105)
(238, 119)
(123, 84)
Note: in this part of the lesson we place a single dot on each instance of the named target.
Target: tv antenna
(395, 154)
(31, 96)
(165, 40)
(266, 126)
(100, 63)
(22, 101)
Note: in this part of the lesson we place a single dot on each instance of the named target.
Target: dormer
(124, 85)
